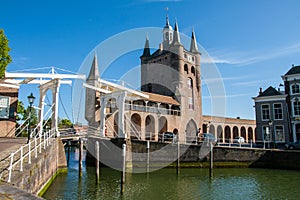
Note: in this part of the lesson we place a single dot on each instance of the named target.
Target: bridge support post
(211, 160)
(80, 157)
(123, 173)
(97, 149)
(178, 158)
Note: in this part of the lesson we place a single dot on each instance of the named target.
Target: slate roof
(294, 70)
(270, 91)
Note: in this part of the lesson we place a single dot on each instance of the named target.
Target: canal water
(232, 183)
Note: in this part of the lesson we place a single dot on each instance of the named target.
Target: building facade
(174, 71)
(278, 112)
(8, 109)
(170, 99)
(292, 90)
(271, 116)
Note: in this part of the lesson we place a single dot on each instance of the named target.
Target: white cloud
(222, 79)
(246, 58)
(227, 96)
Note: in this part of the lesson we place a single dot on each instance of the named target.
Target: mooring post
(123, 168)
(69, 146)
(211, 160)
(178, 159)
(148, 155)
(97, 149)
(80, 157)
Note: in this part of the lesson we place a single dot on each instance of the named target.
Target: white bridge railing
(25, 152)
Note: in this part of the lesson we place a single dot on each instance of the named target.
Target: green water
(233, 183)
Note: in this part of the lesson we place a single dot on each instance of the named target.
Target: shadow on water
(232, 183)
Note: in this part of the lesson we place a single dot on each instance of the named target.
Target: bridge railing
(25, 152)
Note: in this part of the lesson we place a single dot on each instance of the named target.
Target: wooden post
(148, 155)
(80, 157)
(97, 162)
(211, 165)
(178, 159)
(123, 168)
(69, 146)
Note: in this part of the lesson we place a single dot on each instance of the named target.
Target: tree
(33, 116)
(65, 123)
(5, 58)
(20, 111)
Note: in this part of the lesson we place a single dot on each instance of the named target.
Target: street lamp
(30, 101)
(272, 132)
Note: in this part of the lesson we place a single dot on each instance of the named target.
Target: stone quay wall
(37, 176)
(165, 154)
(238, 157)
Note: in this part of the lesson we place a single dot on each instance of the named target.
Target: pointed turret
(146, 52)
(167, 34)
(92, 103)
(194, 46)
(94, 73)
(176, 36)
(167, 21)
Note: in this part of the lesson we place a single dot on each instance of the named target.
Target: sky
(251, 42)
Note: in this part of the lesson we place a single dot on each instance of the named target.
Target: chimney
(260, 91)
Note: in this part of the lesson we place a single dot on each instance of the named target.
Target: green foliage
(65, 123)
(33, 116)
(5, 58)
(20, 111)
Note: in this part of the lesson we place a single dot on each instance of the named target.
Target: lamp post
(272, 132)
(30, 101)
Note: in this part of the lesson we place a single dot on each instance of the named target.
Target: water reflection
(165, 184)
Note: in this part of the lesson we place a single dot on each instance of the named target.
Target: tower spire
(146, 52)
(94, 72)
(167, 17)
(176, 36)
(194, 46)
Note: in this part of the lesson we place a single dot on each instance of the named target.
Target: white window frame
(293, 107)
(276, 135)
(5, 107)
(266, 138)
(291, 88)
(274, 113)
(261, 112)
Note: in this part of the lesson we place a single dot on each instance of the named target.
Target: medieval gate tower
(174, 71)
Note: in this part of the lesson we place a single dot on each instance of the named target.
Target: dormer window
(295, 88)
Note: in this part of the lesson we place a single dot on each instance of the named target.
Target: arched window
(295, 88)
(296, 106)
(186, 68)
(193, 70)
(190, 83)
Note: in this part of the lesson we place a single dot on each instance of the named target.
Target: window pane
(4, 107)
(279, 133)
(265, 112)
(278, 111)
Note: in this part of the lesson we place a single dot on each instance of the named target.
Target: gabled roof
(293, 70)
(270, 91)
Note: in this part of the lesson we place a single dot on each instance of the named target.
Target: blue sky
(253, 42)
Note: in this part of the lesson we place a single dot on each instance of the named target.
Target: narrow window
(295, 89)
(186, 68)
(278, 111)
(4, 107)
(279, 133)
(190, 83)
(191, 104)
(265, 111)
(296, 105)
